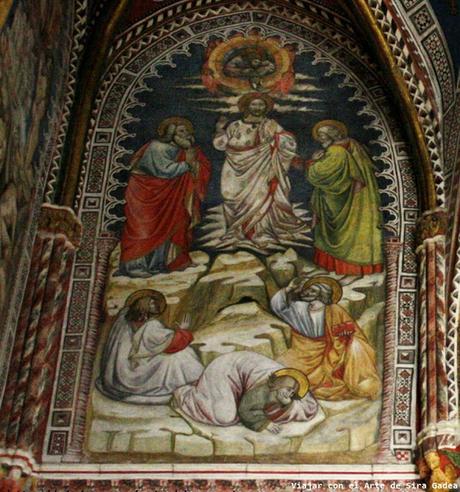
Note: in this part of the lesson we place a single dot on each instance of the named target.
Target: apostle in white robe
(143, 360)
(254, 184)
(249, 388)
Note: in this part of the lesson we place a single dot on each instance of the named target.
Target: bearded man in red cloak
(168, 182)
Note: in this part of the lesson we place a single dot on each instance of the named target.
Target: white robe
(298, 315)
(135, 369)
(257, 154)
(214, 398)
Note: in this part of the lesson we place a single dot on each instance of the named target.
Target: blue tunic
(160, 160)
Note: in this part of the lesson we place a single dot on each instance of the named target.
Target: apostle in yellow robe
(345, 204)
(327, 344)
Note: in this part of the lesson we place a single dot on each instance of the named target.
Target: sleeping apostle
(345, 204)
(168, 182)
(327, 345)
(144, 361)
(249, 388)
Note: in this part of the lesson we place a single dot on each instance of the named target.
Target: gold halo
(244, 101)
(174, 120)
(333, 284)
(334, 123)
(300, 377)
(154, 294)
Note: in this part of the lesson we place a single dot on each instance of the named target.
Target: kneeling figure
(249, 388)
(144, 361)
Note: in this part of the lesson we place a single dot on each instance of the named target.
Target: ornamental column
(32, 368)
(438, 433)
(392, 250)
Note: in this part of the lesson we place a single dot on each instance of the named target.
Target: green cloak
(348, 223)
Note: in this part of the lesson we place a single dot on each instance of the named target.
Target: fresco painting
(244, 306)
(227, 245)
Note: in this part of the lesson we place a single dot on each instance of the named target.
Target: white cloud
(190, 86)
(306, 88)
(230, 100)
(295, 98)
(303, 76)
(227, 110)
(233, 108)
(233, 100)
(295, 109)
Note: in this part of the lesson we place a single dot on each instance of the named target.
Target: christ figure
(254, 185)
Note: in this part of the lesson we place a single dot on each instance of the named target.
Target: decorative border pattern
(78, 44)
(452, 348)
(453, 258)
(417, 89)
(204, 485)
(425, 41)
(418, 22)
(453, 290)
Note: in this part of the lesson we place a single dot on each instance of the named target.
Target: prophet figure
(249, 388)
(168, 182)
(345, 203)
(254, 184)
(143, 360)
(327, 344)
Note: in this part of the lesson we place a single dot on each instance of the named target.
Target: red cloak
(160, 209)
